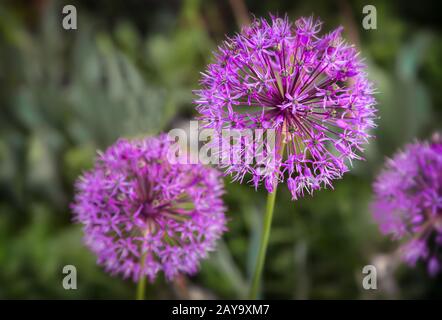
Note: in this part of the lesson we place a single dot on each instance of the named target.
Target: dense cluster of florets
(142, 214)
(311, 90)
(408, 202)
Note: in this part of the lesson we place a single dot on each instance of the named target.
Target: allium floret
(311, 89)
(142, 214)
(408, 202)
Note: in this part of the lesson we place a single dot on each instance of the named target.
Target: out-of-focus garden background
(129, 70)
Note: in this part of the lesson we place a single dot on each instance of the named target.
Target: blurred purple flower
(135, 205)
(311, 89)
(408, 202)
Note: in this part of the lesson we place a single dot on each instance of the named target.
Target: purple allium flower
(408, 202)
(142, 215)
(311, 89)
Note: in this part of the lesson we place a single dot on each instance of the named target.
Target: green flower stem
(254, 289)
(259, 265)
(141, 287)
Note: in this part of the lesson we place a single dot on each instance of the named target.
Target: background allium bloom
(135, 205)
(311, 89)
(408, 202)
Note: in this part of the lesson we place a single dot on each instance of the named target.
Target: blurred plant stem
(241, 12)
(254, 289)
(141, 287)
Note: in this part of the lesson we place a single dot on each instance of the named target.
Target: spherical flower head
(408, 202)
(310, 90)
(142, 215)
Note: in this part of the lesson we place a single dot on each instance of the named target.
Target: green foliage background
(129, 70)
